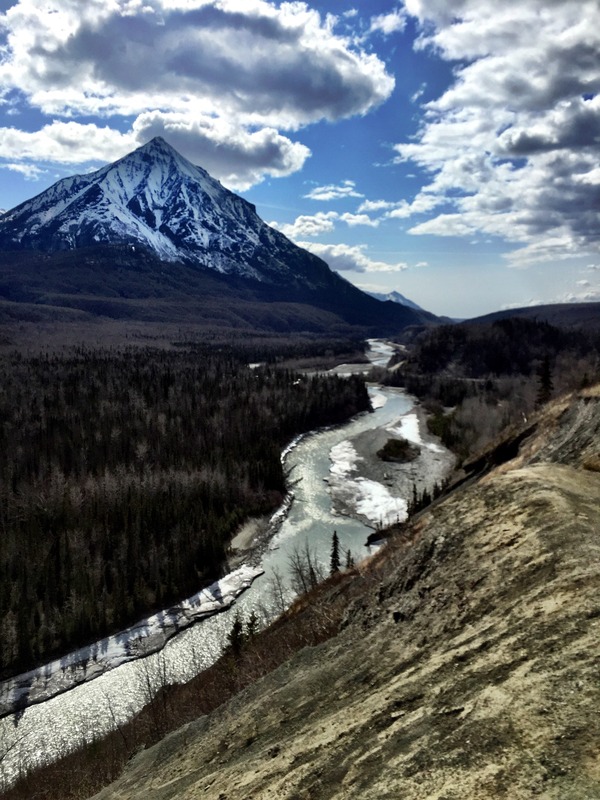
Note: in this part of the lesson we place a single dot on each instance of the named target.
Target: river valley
(336, 483)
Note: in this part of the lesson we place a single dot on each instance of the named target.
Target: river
(44, 731)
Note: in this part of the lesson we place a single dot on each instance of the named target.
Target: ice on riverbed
(378, 400)
(343, 459)
(370, 499)
(147, 636)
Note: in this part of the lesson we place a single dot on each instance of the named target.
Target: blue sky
(449, 151)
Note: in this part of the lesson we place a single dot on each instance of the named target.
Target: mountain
(395, 297)
(153, 227)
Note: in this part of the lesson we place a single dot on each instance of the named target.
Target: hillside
(467, 666)
(585, 316)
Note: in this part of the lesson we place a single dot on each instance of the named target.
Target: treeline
(124, 475)
(475, 379)
(278, 348)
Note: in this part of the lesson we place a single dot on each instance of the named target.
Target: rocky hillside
(467, 668)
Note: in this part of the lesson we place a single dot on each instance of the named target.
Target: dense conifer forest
(124, 474)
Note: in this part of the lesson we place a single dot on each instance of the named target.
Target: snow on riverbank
(409, 429)
(367, 498)
(147, 636)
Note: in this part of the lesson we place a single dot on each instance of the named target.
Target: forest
(125, 473)
(476, 379)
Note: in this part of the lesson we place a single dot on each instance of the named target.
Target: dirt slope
(468, 669)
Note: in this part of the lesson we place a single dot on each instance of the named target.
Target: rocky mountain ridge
(467, 667)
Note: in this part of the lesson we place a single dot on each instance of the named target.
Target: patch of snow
(375, 503)
(408, 429)
(435, 448)
(378, 400)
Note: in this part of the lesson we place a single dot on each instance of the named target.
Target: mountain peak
(158, 148)
(152, 198)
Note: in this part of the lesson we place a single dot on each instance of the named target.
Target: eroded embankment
(468, 667)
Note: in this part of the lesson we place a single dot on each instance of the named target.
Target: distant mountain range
(153, 235)
(395, 297)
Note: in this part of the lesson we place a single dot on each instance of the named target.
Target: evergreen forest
(124, 475)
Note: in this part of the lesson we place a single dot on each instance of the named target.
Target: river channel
(44, 731)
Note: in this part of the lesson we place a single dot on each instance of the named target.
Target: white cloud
(350, 258)
(376, 205)
(323, 222)
(513, 144)
(274, 66)
(65, 143)
(359, 219)
(590, 296)
(388, 23)
(224, 77)
(334, 192)
(29, 171)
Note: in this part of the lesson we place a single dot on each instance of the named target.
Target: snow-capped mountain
(395, 297)
(156, 199)
(153, 235)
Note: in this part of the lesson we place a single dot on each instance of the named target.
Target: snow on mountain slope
(395, 297)
(153, 198)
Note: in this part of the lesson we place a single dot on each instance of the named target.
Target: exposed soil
(468, 667)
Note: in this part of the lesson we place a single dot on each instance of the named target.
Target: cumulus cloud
(350, 258)
(306, 225)
(282, 66)
(30, 172)
(512, 146)
(376, 205)
(65, 143)
(237, 156)
(388, 23)
(225, 77)
(359, 219)
(589, 296)
(321, 222)
(334, 192)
